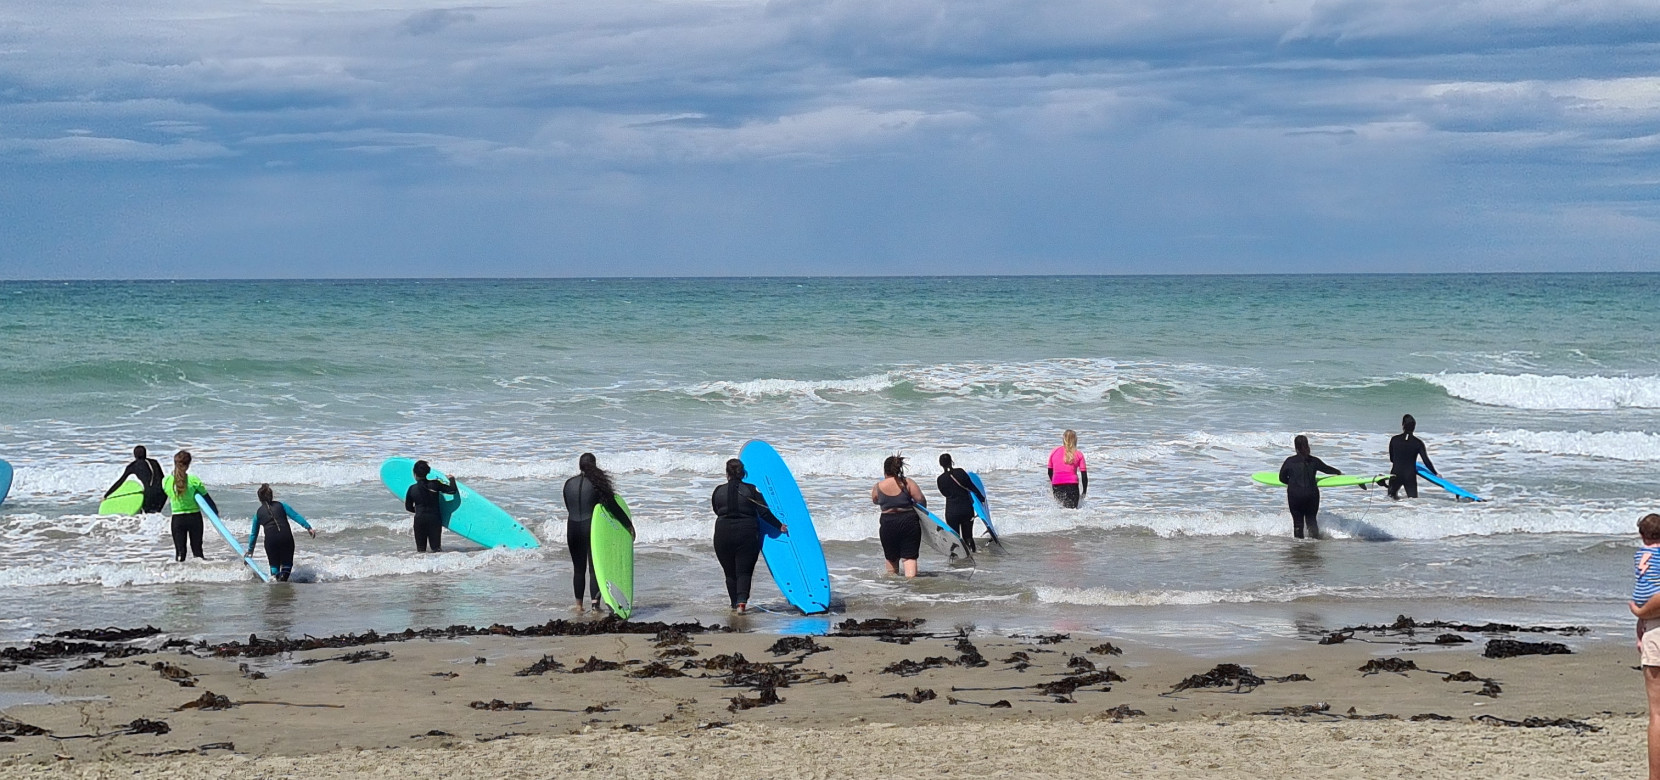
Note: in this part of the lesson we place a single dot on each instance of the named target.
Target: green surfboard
(1272, 479)
(126, 500)
(612, 548)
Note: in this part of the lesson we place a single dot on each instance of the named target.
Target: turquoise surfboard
(260, 570)
(980, 507)
(1272, 479)
(1447, 485)
(612, 549)
(796, 559)
(468, 514)
(943, 538)
(5, 480)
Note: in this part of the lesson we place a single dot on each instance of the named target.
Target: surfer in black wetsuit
(425, 498)
(1302, 491)
(739, 511)
(1404, 451)
(273, 517)
(590, 488)
(149, 474)
(959, 492)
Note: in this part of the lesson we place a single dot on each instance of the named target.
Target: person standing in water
(273, 516)
(959, 492)
(739, 511)
(901, 526)
(1301, 474)
(184, 491)
(1404, 451)
(425, 499)
(149, 474)
(1068, 476)
(591, 487)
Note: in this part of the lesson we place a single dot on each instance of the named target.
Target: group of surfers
(739, 508)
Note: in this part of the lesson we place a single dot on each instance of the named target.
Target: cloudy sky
(229, 138)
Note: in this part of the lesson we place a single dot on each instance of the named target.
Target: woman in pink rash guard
(1068, 476)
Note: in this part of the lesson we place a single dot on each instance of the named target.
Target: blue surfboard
(943, 538)
(5, 480)
(980, 507)
(236, 547)
(1447, 486)
(796, 559)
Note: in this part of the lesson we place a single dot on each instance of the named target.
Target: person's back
(1301, 473)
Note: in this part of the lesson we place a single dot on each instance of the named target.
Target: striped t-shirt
(1647, 564)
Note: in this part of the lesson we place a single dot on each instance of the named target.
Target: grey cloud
(435, 20)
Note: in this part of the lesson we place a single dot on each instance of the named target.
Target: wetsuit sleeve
(1423, 452)
(209, 499)
(253, 536)
(617, 512)
(1083, 482)
(447, 487)
(130, 472)
(714, 500)
(409, 498)
(1285, 472)
(763, 512)
(972, 488)
(295, 516)
(1320, 465)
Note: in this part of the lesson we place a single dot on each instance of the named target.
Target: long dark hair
(734, 469)
(1301, 443)
(894, 467)
(1408, 425)
(589, 466)
(264, 493)
(181, 474)
(945, 461)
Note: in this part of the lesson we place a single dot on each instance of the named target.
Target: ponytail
(589, 466)
(1069, 442)
(181, 474)
(265, 495)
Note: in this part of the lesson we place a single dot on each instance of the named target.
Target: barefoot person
(1068, 476)
(901, 529)
(273, 517)
(739, 511)
(149, 474)
(1302, 488)
(1647, 609)
(591, 487)
(184, 490)
(425, 499)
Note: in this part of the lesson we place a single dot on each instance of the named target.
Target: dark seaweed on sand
(1406, 625)
(916, 696)
(796, 644)
(497, 705)
(596, 664)
(1511, 648)
(1396, 665)
(351, 658)
(767, 698)
(111, 634)
(17, 728)
(1538, 723)
(1106, 648)
(1121, 712)
(208, 701)
(1065, 686)
(1234, 676)
(256, 647)
(656, 669)
(547, 664)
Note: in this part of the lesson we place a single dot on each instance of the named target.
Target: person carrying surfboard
(591, 487)
(739, 511)
(273, 516)
(1404, 451)
(959, 491)
(183, 491)
(425, 499)
(1302, 490)
(901, 527)
(1068, 476)
(149, 474)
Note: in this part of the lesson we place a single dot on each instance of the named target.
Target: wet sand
(855, 708)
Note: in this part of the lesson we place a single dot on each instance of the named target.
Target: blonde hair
(1069, 442)
(181, 474)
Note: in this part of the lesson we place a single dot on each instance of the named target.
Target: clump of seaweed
(767, 698)
(351, 658)
(1239, 678)
(916, 696)
(547, 664)
(796, 644)
(1065, 686)
(207, 701)
(1106, 648)
(176, 674)
(656, 669)
(1511, 648)
(1396, 665)
(1578, 726)
(497, 705)
(596, 664)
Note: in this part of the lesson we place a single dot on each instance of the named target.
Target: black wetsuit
(278, 536)
(1302, 491)
(739, 512)
(426, 499)
(580, 499)
(901, 529)
(960, 492)
(1404, 451)
(149, 474)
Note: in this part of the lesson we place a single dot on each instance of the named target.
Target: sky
(326, 138)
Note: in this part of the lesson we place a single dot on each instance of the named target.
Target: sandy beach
(870, 699)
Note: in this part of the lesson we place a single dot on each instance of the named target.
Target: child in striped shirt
(1647, 609)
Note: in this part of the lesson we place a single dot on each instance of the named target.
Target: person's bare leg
(892, 567)
(910, 567)
(1651, 682)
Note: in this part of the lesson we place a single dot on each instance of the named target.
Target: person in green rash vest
(184, 490)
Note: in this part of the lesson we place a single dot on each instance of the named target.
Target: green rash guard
(188, 502)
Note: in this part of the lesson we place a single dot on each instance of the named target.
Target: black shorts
(901, 536)
(1066, 494)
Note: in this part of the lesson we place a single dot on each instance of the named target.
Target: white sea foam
(1637, 446)
(312, 568)
(1535, 391)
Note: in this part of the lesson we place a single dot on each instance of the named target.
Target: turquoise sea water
(1542, 392)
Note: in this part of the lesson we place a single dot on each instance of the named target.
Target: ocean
(1540, 392)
